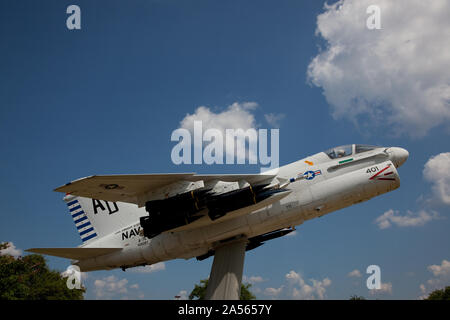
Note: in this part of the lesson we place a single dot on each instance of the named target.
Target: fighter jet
(126, 221)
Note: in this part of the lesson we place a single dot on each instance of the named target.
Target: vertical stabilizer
(96, 218)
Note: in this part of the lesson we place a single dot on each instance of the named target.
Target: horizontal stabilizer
(74, 253)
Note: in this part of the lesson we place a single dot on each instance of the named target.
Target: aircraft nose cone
(398, 155)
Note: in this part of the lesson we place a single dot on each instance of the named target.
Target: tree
(29, 278)
(443, 294)
(199, 291)
(245, 292)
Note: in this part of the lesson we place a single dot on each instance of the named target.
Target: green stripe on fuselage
(344, 161)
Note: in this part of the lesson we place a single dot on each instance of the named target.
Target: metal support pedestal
(226, 272)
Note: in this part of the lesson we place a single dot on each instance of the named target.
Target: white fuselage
(318, 185)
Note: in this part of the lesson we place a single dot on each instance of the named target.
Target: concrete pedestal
(226, 272)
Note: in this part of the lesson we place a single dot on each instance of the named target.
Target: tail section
(96, 218)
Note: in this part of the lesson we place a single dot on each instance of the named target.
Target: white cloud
(440, 270)
(236, 116)
(386, 288)
(397, 76)
(437, 171)
(294, 278)
(422, 288)
(441, 273)
(354, 274)
(410, 219)
(150, 268)
(311, 292)
(11, 250)
(297, 288)
(274, 119)
(273, 292)
(113, 288)
(253, 279)
(107, 287)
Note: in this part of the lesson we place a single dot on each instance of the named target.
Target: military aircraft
(126, 221)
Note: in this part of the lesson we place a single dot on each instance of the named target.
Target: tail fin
(95, 219)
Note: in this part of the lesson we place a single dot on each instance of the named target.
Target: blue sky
(105, 100)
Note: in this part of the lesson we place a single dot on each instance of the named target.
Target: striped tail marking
(84, 226)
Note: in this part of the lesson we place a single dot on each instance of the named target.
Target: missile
(253, 245)
(271, 235)
(258, 241)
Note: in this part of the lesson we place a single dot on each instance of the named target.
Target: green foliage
(199, 291)
(245, 292)
(443, 294)
(29, 278)
(356, 297)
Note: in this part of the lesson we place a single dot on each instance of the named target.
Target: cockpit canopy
(347, 150)
(340, 152)
(363, 148)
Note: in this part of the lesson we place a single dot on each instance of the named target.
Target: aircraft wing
(124, 188)
(74, 253)
(137, 188)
